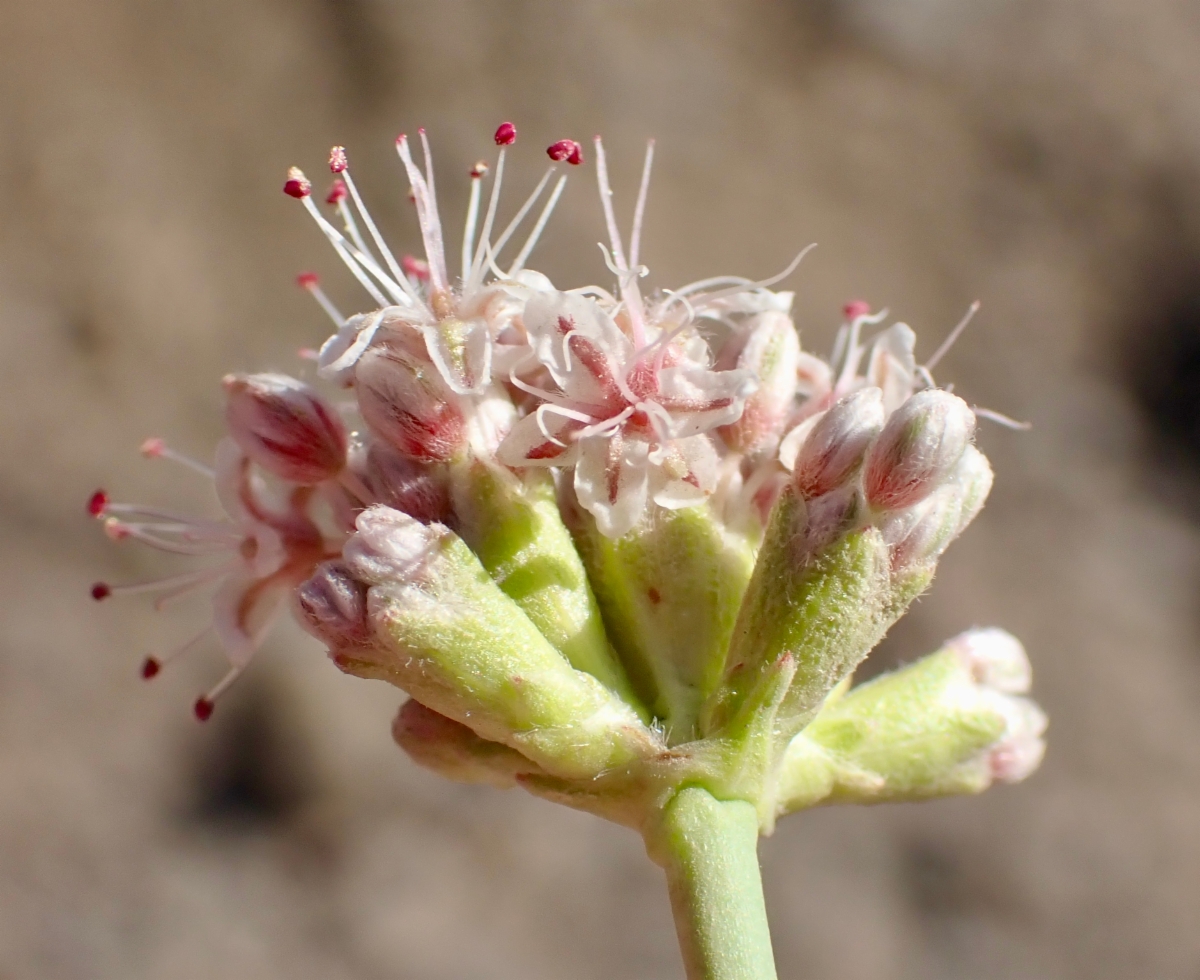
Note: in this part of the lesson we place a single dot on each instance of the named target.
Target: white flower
(469, 328)
(266, 550)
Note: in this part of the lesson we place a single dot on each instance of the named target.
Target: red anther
(150, 668)
(306, 280)
(567, 150)
(337, 159)
(417, 268)
(101, 591)
(297, 184)
(153, 447)
(97, 502)
(337, 192)
(401, 139)
(203, 709)
(856, 308)
(412, 197)
(480, 169)
(506, 134)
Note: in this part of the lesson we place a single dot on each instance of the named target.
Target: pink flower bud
(918, 449)
(995, 658)
(419, 490)
(772, 352)
(1020, 750)
(839, 440)
(390, 547)
(407, 404)
(332, 606)
(922, 532)
(284, 426)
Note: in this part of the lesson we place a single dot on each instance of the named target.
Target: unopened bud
(1020, 750)
(835, 447)
(332, 606)
(922, 532)
(772, 353)
(390, 547)
(419, 490)
(452, 750)
(918, 448)
(407, 404)
(995, 658)
(284, 426)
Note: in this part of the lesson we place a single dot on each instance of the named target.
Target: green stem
(710, 851)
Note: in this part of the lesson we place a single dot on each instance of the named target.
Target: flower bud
(771, 352)
(1019, 752)
(407, 404)
(446, 633)
(922, 532)
(332, 606)
(454, 751)
(918, 448)
(419, 490)
(995, 659)
(390, 547)
(835, 447)
(285, 426)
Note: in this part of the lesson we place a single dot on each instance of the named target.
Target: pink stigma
(337, 192)
(306, 280)
(856, 308)
(150, 668)
(203, 709)
(337, 159)
(101, 591)
(153, 448)
(97, 502)
(297, 184)
(567, 150)
(506, 134)
(415, 267)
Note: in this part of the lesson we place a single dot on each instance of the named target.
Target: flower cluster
(611, 542)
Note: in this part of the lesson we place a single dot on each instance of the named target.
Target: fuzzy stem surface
(710, 850)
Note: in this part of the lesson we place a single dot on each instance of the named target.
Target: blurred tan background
(1040, 155)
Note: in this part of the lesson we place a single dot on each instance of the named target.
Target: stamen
(629, 291)
(761, 283)
(296, 185)
(567, 150)
(152, 666)
(476, 274)
(520, 215)
(415, 268)
(856, 308)
(999, 419)
(309, 282)
(308, 354)
(506, 134)
(401, 284)
(640, 210)
(337, 192)
(538, 228)
(102, 590)
(337, 159)
(952, 336)
(97, 503)
(427, 214)
(355, 257)
(155, 448)
(203, 708)
(468, 242)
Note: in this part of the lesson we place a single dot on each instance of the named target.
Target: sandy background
(1040, 156)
